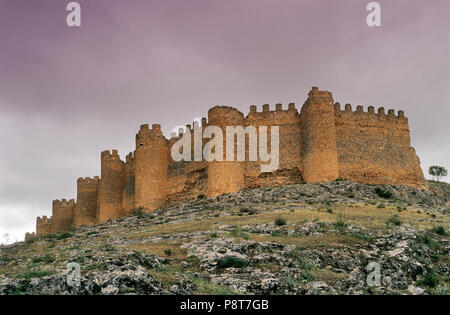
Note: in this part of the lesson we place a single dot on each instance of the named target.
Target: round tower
(111, 186)
(151, 163)
(319, 147)
(225, 176)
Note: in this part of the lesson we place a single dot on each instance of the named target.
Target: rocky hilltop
(292, 239)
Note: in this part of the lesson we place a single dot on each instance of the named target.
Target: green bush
(280, 221)
(440, 230)
(64, 236)
(237, 232)
(432, 244)
(36, 274)
(382, 193)
(394, 220)
(340, 223)
(47, 259)
(168, 252)
(232, 261)
(430, 280)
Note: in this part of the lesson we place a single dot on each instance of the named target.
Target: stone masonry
(321, 143)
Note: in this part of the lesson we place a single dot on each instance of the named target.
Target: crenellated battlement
(359, 113)
(29, 236)
(266, 111)
(43, 220)
(112, 155)
(64, 203)
(44, 225)
(130, 157)
(88, 180)
(320, 143)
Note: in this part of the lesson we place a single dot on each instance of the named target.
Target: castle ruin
(321, 143)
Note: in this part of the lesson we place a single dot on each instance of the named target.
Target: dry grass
(160, 249)
(365, 215)
(310, 241)
(328, 276)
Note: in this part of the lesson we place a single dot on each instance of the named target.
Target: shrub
(439, 230)
(139, 212)
(201, 196)
(394, 220)
(280, 221)
(64, 235)
(340, 223)
(47, 259)
(232, 261)
(247, 210)
(382, 193)
(430, 280)
(306, 277)
(237, 232)
(278, 233)
(362, 236)
(213, 234)
(425, 239)
(381, 206)
(36, 274)
(168, 252)
(289, 282)
(107, 247)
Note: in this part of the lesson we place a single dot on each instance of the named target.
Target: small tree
(6, 237)
(437, 172)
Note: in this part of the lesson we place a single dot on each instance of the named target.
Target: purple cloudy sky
(68, 93)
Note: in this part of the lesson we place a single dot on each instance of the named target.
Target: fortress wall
(128, 196)
(319, 149)
(44, 226)
(321, 143)
(151, 163)
(288, 121)
(86, 207)
(29, 236)
(62, 215)
(375, 147)
(225, 176)
(111, 186)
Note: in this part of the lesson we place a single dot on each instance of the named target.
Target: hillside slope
(294, 239)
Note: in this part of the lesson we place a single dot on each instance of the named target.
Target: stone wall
(321, 143)
(86, 206)
(375, 147)
(151, 162)
(62, 215)
(111, 186)
(129, 187)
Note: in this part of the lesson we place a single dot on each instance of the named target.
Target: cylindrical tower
(111, 186)
(225, 176)
(151, 163)
(319, 148)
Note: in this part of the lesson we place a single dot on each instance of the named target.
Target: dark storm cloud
(66, 94)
